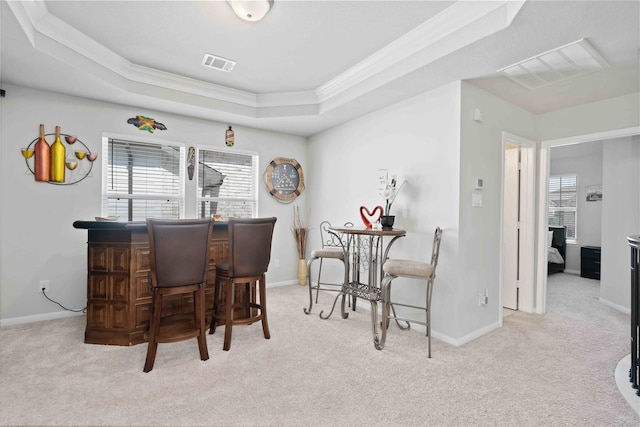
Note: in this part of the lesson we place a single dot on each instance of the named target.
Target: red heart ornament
(370, 217)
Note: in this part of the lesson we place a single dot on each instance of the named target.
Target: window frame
(253, 199)
(574, 209)
(106, 194)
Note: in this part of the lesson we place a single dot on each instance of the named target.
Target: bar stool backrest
(250, 246)
(435, 251)
(331, 240)
(179, 251)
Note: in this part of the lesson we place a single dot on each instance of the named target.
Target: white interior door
(510, 232)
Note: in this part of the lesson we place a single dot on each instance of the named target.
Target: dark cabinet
(590, 262)
(118, 297)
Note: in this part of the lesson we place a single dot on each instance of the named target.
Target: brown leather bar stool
(395, 268)
(247, 263)
(179, 258)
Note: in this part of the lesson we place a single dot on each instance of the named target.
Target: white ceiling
(308, 65)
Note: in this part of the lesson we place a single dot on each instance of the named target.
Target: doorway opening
(543, 224)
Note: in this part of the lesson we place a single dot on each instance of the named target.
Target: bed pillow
(549, 238)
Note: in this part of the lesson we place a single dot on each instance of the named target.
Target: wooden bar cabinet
(118, 297)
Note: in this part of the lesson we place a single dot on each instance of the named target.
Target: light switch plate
(478, 183)
(476, 200)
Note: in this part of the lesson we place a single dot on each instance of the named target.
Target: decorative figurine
(191, 162)
(146, 123)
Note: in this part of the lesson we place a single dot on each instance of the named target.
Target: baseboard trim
(285, 283)
(471, 336)
(615, 306)
(39, 318)
(457, 342)
(62, 314)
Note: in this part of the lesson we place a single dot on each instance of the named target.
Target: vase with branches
(300, 232)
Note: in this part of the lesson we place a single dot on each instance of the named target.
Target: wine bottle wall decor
(65, 161)
(58, 157)
(42, 160)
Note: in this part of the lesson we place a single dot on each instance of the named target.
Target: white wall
(584, 160)
(431, 140)
(615, 113)
(620, 217)
(38, 240)
(481, 227)
(418, 139)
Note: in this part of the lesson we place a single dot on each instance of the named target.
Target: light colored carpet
(551, 370)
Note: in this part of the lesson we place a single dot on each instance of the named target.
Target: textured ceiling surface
(308, 65)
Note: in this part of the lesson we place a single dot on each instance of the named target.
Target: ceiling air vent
(217, 62)
(564, 63)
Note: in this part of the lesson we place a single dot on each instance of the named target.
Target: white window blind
(227, 184)
(563, 207)
(143, 180)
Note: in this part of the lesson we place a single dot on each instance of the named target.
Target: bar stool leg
(308, 310)
(263, 309)
(385, 295)
(228, 314)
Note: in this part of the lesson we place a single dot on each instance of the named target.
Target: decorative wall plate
(284, 179)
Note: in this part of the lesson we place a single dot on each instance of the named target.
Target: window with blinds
(143, 180)
(227, 184)
(563, 207)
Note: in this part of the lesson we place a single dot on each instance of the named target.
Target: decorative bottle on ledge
(58, 154)
(229, 137)
(42, 164)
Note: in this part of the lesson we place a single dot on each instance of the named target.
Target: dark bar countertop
(123, 225)
(109, 225)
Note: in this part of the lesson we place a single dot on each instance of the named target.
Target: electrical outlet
(43, 286)
(483, 298)
(276, 263)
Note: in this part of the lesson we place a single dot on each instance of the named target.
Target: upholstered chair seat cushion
(406, 268)
(328, 252)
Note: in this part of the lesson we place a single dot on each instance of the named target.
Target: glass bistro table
(366, 251)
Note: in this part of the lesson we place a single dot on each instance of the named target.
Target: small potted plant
(389, 191)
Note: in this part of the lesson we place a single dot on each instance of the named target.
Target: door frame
(543, 220)
(527, 219)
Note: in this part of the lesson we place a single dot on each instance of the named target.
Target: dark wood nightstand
(590, 262)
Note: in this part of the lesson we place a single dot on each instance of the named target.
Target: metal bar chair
(332, 248)
(394, 268)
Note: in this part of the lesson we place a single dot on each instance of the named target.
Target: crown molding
(459, 25)
(456, 20)
(80, 50)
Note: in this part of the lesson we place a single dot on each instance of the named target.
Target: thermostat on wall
(478, 183)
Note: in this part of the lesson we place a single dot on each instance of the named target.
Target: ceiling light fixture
(251, 10)
(563, 63)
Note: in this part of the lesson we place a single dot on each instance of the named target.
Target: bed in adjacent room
(557, 249)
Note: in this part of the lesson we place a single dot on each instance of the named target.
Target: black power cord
(82, 310)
